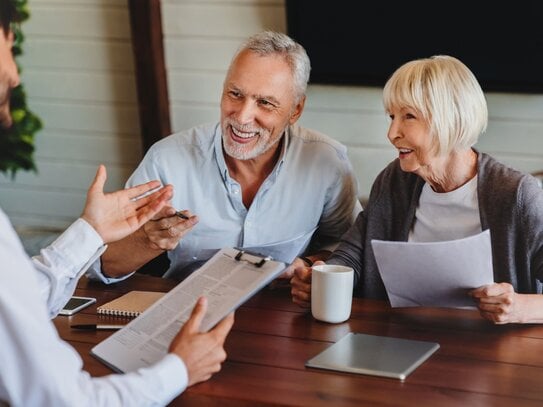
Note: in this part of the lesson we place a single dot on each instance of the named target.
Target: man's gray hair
(269, 43)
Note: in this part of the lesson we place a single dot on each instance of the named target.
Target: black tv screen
(361, 42)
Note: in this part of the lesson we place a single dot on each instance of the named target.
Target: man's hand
(202, 353)
(116, 215)
(499, 303)
(166, 229)
(301, 285)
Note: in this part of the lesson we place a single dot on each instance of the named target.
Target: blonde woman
(441, 188)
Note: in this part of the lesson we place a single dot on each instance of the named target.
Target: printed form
(227, 280)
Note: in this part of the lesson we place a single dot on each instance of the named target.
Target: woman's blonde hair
(448, 96)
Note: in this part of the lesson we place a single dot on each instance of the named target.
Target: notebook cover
(130, 304)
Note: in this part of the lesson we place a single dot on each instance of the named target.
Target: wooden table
(478, 363)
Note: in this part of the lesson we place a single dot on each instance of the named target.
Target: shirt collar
(282, 157)
(219, 156)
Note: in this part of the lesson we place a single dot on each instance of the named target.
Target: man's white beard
(241, 151)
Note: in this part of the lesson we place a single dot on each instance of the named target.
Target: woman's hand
(500, 303)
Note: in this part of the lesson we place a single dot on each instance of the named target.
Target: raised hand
(116, 215)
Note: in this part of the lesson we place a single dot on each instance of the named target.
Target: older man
(37, 368)
(256, 180)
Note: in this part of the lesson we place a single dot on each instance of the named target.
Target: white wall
(201, 37)
(78, 71)
(79, 76)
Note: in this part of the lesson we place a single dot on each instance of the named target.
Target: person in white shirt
(37, 368)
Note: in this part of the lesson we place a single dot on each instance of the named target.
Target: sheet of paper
(224, 281)
(436, 274)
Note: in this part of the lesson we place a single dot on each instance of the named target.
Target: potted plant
(17, 142)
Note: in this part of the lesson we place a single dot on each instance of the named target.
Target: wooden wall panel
(79, 72)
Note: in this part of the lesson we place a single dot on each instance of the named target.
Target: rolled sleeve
(95, 273)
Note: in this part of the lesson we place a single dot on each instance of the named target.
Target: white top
(447, 215)
(37, 368)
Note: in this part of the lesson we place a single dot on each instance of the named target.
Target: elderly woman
(440, 188)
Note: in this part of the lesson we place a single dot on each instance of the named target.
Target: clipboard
(227, 280)
(374, 355)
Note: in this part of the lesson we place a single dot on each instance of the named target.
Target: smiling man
(254, 180)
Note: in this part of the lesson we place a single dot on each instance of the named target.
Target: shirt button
(236, 191)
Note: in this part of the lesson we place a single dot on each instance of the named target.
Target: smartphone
(76, 304)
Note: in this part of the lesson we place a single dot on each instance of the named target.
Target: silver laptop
(374, 355)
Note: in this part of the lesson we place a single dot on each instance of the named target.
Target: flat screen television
(360, 42)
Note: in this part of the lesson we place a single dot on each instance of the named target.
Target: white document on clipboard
(437, 274)
(227, 280)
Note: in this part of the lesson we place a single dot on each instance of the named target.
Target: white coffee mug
(331, 292)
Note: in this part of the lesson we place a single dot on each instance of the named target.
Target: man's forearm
(128, 255)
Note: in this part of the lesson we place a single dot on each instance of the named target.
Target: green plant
(17, 142)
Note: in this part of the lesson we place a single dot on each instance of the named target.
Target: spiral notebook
(130, 304)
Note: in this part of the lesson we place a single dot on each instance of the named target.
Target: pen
(181, 215)
(95, 327)
(151, 191)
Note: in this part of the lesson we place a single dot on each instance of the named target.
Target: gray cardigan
(510, 205)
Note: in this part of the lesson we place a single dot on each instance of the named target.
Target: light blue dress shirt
(311, 189)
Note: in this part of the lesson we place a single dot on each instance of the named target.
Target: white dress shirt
(37, 368)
